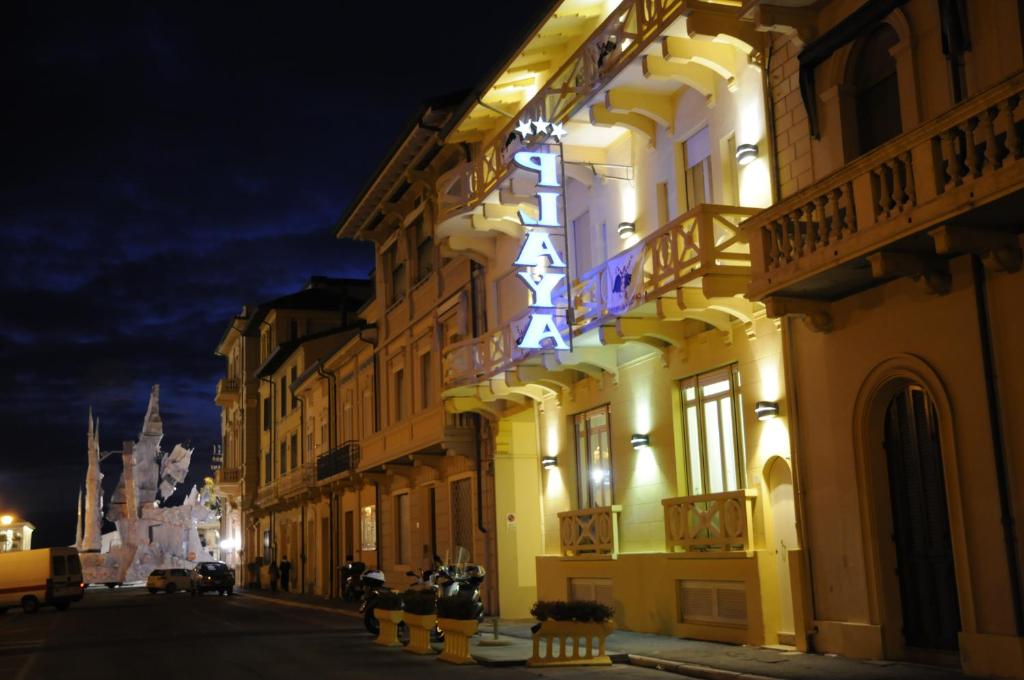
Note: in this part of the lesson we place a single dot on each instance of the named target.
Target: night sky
(164, 164)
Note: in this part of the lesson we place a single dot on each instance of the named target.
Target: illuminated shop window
(594, 458)
(713, 431)
(368, 527)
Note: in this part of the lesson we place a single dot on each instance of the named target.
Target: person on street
(273, 573)
(286, 572)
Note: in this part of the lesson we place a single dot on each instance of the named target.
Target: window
(284, 397)
(399, 395)
(293, 329)
(268, 467)
(74, 566)
(403, 530)
(424, 250)
(594, 458)
(876, 89)
(713, 432)
(60, 565)
(324, 442)
(267, 413)
(697, 169)
(662, 191)
(309, 435)
(730, 171)
(395, 271)
(425, 384)
(295, 449)
(368, 528)
(284, 457)
(295, 375)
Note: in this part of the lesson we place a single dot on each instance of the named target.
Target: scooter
(351, 582)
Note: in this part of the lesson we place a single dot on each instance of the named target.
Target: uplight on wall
(746, 153)
(548, 462)
(640, 440)
(626, 229)
(766, 410)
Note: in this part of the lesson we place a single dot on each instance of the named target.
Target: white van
(32, 578)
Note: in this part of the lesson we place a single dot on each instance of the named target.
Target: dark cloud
(166, 163)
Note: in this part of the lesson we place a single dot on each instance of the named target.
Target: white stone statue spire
(93, 490)
(78, 521)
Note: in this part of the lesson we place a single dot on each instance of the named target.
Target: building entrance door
(924, 553)
(784, 538)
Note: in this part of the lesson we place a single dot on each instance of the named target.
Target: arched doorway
(920, 521)
(783, 538)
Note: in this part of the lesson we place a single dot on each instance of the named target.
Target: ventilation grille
(717, 602)
(599, 589)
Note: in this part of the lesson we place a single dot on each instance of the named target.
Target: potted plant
(457, 619)
(421, 617)
(568, 623)
(389, 614)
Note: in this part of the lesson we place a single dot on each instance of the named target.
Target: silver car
(169, 581)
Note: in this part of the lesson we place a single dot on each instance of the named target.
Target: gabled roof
(321, 293)
(286, 349)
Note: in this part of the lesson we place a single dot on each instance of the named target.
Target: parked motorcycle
(351, 581)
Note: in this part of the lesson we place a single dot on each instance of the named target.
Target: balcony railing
(593, 532)
(705, 240)
(630, 28)
(229, 475)
(964, 158)
(266, 494)
(342, 459)
(711, 522)
(227, 390)
(297, 480)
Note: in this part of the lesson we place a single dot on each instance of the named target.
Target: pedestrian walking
(273, 573)
(286, 571)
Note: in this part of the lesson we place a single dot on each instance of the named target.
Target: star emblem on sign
(539, 126)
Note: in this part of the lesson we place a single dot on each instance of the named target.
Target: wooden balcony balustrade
(630, 28)
(709, 522)
(705, 240)
(593, 532)
(957, 162)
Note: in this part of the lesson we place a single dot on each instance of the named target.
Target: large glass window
(594, 458)
(697, 168)
(713, 431)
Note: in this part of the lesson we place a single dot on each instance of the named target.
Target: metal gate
(924, 553)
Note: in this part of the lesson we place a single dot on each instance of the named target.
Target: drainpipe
(793, 413)
(273, 447)
(376, 526)
(769, 104)
(302, 556)
(302, 462)
(998, 453)
(331, 445)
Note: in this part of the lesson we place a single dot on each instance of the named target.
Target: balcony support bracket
(932, 271)
(816, 314)
(1000, 250)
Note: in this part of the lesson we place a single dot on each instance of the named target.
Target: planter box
(389, 620)
(569, 635)
(456, 639)
(420, 626)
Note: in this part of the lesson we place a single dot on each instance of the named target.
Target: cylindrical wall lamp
(765, 410)
(626, 229)
(640, 440)
(746, 153)
(548, 462)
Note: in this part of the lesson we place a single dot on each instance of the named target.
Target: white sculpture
(149, 535)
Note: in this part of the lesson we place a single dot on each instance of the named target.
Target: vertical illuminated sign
(544, 268)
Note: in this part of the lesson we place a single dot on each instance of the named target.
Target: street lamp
(6, 520)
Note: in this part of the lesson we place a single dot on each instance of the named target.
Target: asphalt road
(128, 633)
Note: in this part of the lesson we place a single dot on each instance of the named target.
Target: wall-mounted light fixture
(640, 440)
(626, 229)
(765, 410)
(548, 462)
(746, 153)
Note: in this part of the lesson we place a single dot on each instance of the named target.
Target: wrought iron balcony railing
(345, 458)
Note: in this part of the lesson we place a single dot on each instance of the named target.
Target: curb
(301, 605)
(692, 670)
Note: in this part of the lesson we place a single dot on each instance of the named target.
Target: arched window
(876, 89)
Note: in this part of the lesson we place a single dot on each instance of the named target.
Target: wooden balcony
(710, 522)
(706, 242)
(947, 187)
(228, 390)
(627, 31)
(590, 533)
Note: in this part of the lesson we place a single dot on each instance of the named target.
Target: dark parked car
(209, 576)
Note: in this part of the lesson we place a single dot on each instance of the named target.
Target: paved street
(132, 634)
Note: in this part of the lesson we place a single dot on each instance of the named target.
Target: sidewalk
(693, 658)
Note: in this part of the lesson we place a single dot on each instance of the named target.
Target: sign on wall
(542, 261)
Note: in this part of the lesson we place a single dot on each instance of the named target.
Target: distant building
(15, 535)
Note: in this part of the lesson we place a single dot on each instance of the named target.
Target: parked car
(169, 581)
(32, 578)
(209, 576)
